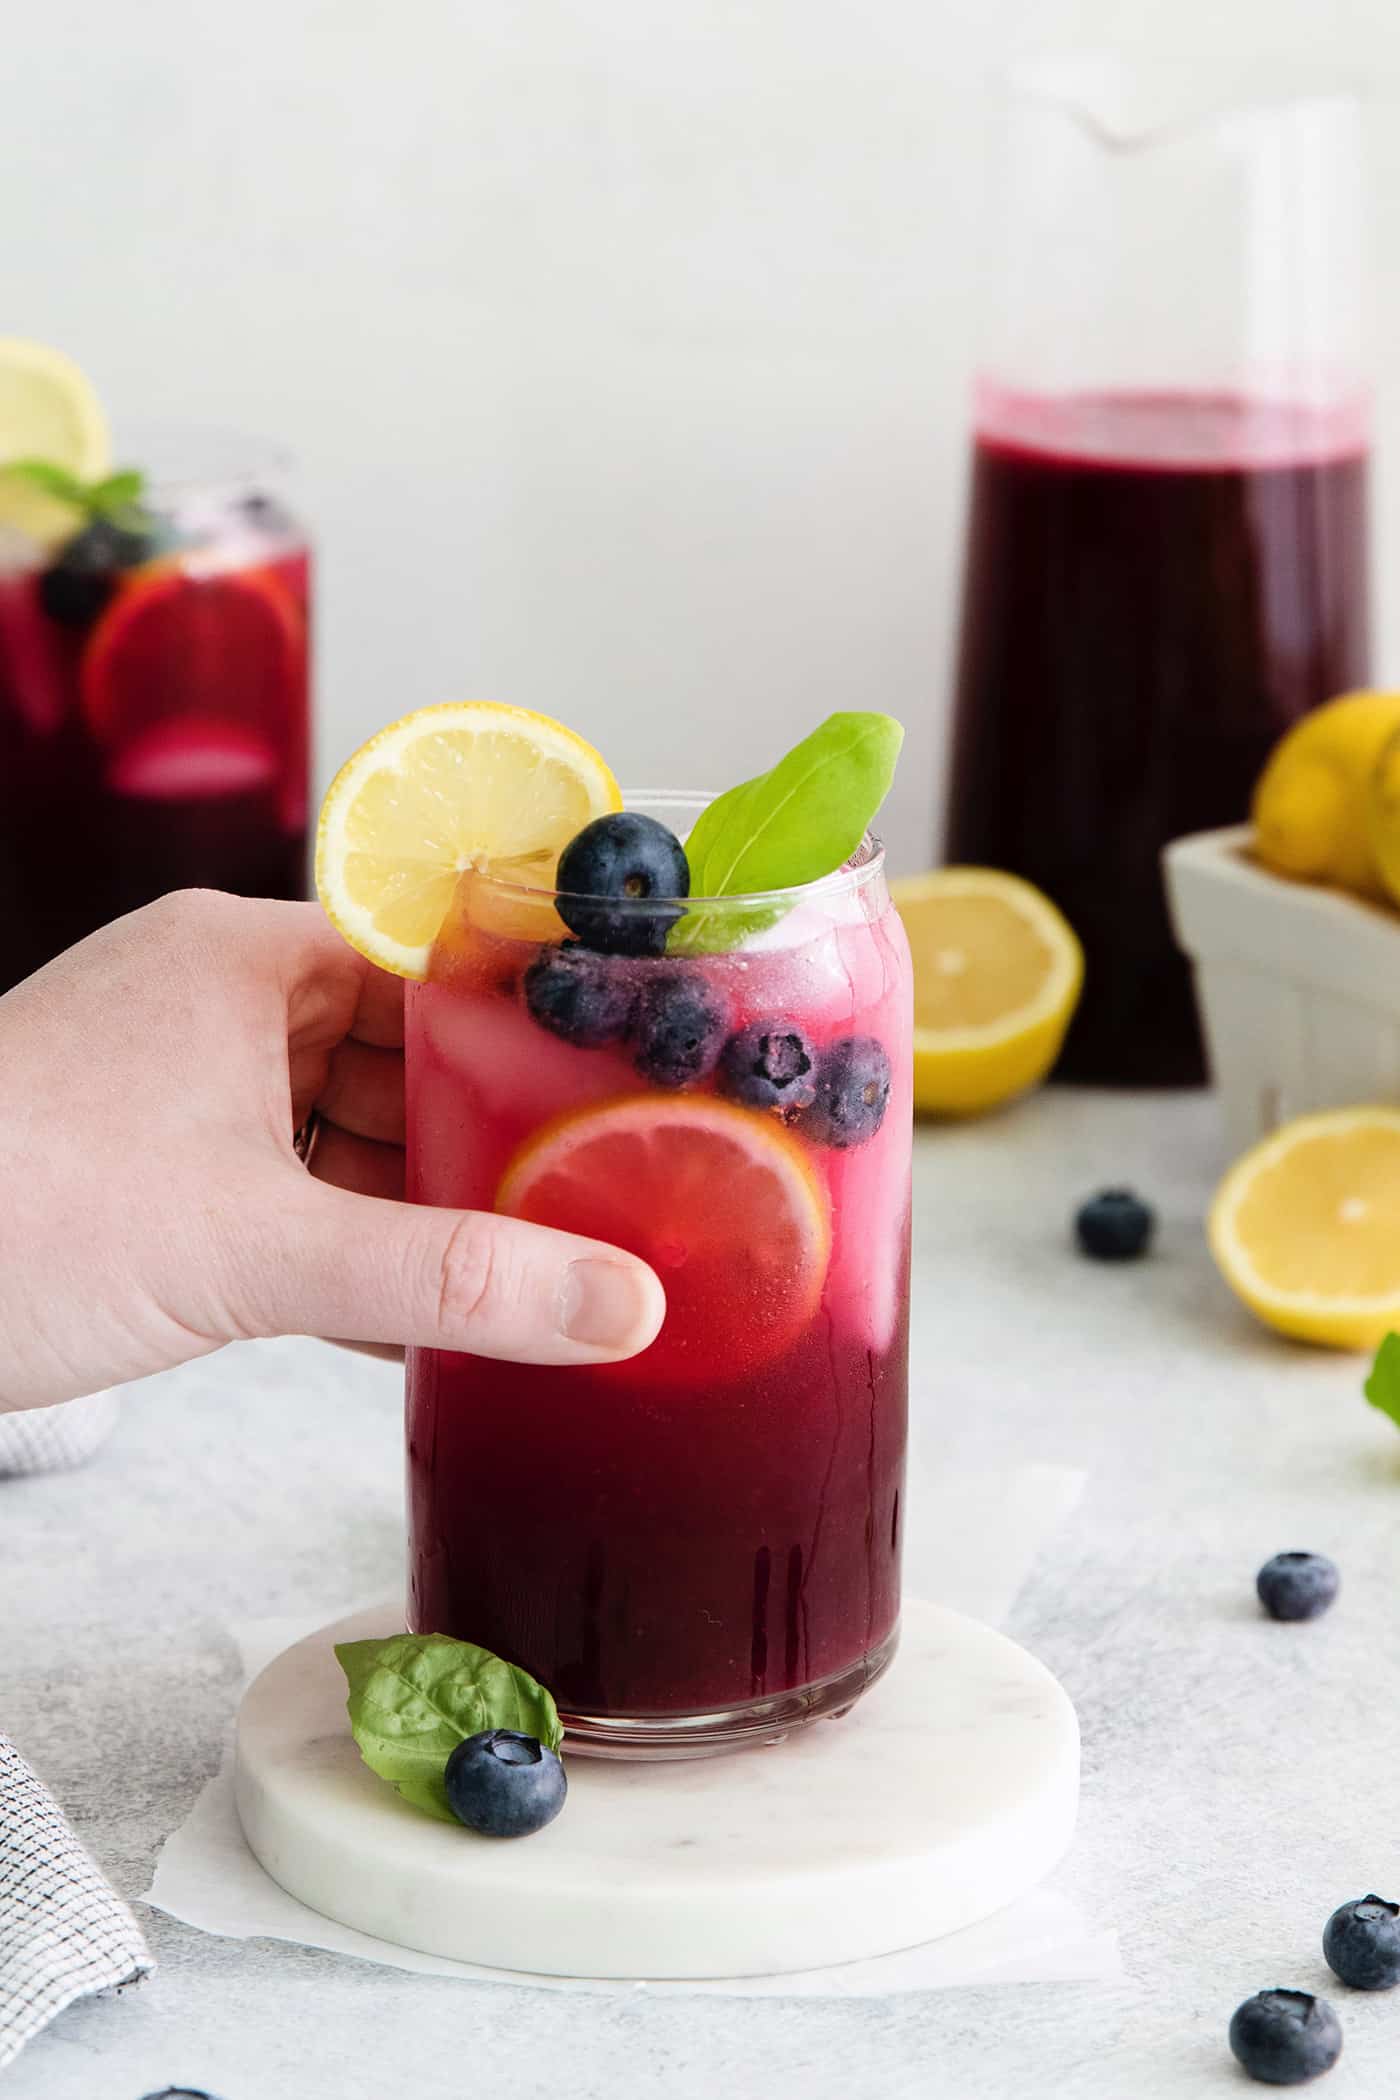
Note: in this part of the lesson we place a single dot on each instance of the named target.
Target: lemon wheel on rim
(49, 412)
(472, 784)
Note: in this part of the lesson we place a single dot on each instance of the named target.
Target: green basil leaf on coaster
(414, 1697)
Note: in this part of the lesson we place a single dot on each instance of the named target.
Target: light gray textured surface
(1239, 1778)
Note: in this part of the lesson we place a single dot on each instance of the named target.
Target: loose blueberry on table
(1285, 2037)
(1297, 1585)
(1361, 1942)
(503, 1784)
(1115, 1225)
(609, 873)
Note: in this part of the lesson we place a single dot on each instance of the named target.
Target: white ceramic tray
(1299, 986)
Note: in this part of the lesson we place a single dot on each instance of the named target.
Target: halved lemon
(725, 1205)
(1306, 1228)
(464, 786)
(49, 412)
(997, 975)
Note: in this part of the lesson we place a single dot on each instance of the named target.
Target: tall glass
(1167, 541)
(701, 1547)
(154, 704)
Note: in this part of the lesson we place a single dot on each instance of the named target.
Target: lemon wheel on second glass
(48, 412)
(1306, 1228)
(997, 976)
(470, 785)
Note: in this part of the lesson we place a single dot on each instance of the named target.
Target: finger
(379, 1015)
(331, 990)
(327, 1262)
(363, 1092)
(357, 1164)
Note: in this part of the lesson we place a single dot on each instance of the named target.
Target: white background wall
(624, 344)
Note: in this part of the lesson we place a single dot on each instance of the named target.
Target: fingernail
(604, 1303)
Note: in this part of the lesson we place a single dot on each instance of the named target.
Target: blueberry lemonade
(154, 652)
(681, 1026)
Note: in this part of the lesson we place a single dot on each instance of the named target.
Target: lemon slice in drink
(725, 1205)
(468, 785)
(1306, 1228)
(48, 412)
(997, 973)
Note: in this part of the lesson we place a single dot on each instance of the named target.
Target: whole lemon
(1383, 813)
(1312, 807)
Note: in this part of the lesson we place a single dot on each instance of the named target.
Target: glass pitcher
(1167, 539)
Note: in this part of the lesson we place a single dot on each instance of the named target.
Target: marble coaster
(948, 1792)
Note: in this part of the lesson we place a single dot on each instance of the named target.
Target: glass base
(720, 1730)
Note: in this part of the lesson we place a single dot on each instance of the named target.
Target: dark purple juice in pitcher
(1157, 585)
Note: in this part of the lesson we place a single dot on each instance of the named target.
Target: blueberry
(607, 875)
(580, 996)
(504, 1785)
(770, 1064)
(74, 588)
(1115, 1225)
(1362, 1943)
(852, 1093)
(1297, 1585)
(1286, 2037)
(679, 1029)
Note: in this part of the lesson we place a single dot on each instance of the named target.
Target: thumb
(367, 1270)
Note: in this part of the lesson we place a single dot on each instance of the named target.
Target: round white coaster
(948, 1792)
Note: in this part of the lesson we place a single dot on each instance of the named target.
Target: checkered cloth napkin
(63, 1931)
(51, 1439)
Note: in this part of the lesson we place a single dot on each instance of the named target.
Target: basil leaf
(722, 815)
(724, 926)
(118, 492)
(792, 825)
(116, 497)
(1382, 1388)
(54, 481)
(415, 1696)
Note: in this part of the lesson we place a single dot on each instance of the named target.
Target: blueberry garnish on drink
(608, 876)
(835, 1097)
(679, 1028)
(580, 996)
(84, 573)
(770, 1065)
(853, 1092)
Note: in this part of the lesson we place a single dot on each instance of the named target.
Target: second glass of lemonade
(700, 1547)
